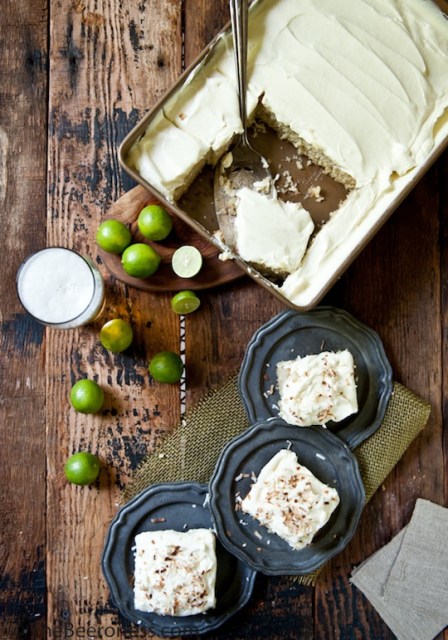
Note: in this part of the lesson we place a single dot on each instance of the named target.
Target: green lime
(116, 335)
(82, 468)
(140, 260)
(186, 261)
(166, 366)
(154, 222)
(86, 396)
(113, 236)
(185, 302)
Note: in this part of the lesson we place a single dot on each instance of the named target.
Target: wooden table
(75, 77)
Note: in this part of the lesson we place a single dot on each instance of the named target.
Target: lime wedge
(185, 302)
(186, 261)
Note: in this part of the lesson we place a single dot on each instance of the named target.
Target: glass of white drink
(60, 288)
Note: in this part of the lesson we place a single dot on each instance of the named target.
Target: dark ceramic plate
(291, 334)
(325, 455)
(182, 506)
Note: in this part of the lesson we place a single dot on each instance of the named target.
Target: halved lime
(82, 468)
(86, 396)
(116, 335)
(154, 222)
(166, 366)
(113, 236)
(186, 261)
(140, 260)
(185, 302)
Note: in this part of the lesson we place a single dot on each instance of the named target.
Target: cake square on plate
(175, 572)
(317, 388)
(289, 500)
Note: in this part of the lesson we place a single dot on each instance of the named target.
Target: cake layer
(289, 500)
(362, 80)
(360, 85)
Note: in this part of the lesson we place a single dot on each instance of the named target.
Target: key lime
(116, 335)
(140, 260)
(86, 396)
(185, 302)
(82, 468)
(166, 366)
(113, 236)
(154, 222)
(186, 261)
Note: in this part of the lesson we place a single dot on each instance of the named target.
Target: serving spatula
(241, 166)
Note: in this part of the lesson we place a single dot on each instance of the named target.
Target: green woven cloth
(190, 452)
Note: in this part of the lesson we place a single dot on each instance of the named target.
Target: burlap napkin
(407, 580)
(191, 451)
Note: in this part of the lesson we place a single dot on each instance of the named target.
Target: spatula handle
(239, 15)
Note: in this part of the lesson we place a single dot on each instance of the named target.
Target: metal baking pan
(196, 206)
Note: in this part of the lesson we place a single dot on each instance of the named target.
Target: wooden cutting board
(214, 271)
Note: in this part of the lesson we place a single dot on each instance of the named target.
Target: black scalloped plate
(182, 505)
(291, 334)
(325, 455)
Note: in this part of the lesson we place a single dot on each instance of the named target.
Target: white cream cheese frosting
(175, 572)
(363, 83)
(207, 110)
(363, 80)
(168, 158)
(317, 388)
(289, 500)
(270, 233)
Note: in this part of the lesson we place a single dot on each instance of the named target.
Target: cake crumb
(315, 193)
(289, 186)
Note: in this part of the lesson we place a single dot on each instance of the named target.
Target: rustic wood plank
(23, 81)
(443, 210)
(203, 20)
(394, 286)
(110, 62)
